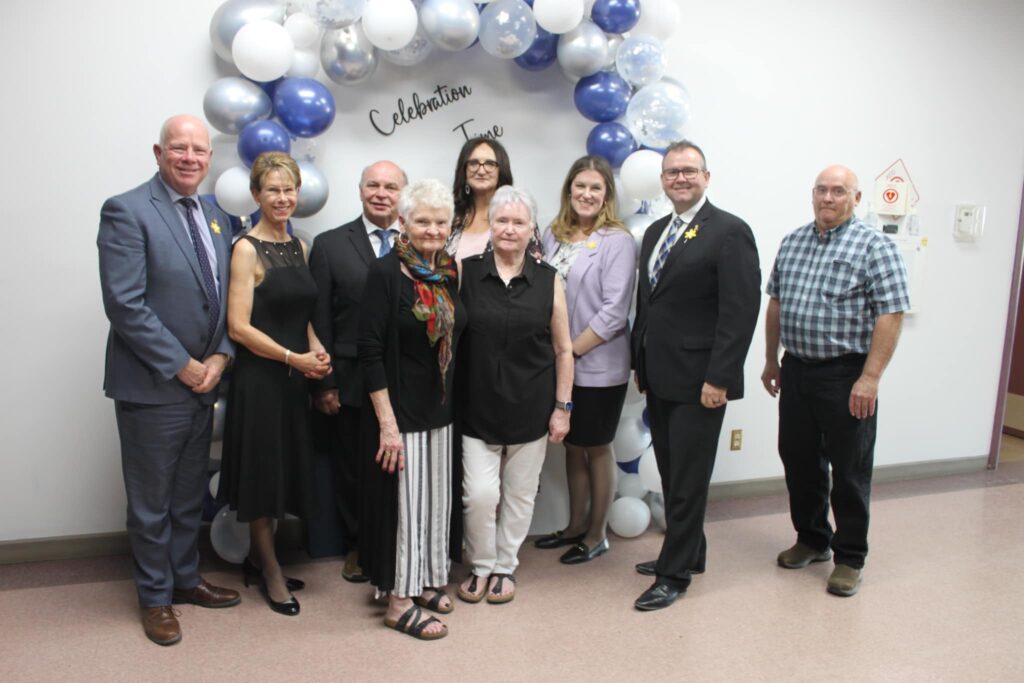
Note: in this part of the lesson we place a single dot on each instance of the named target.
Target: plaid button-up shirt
(832, 288)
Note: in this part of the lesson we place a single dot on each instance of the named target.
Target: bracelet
(287, 355)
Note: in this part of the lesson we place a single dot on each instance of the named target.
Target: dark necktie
(385, 241)
(204, 263)
(666, 247)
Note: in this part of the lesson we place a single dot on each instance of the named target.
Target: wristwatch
(564, 405)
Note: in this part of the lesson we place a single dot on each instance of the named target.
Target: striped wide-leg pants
(424, 512)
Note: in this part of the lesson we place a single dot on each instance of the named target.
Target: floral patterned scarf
(433, 303)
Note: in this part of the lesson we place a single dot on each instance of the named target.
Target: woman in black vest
(516, 383)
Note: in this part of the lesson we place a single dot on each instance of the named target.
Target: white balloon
(214, 484)
(262, 50)
(232, 192)
(629, 517)
(224, 155)
(305, 64)
(641, 175)
(637, 225)
(648, 471)
(631, 438)
(233, 15)
(303, 29)
(630, 486)
(558, 16)
(658, 18)
(390, 24)
(229, 537)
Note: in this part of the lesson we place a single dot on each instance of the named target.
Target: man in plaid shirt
(837, 296)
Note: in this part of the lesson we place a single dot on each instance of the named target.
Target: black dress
(266, 470)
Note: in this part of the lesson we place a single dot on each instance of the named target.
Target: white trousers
(493, 540)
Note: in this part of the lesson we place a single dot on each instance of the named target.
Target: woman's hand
(312, 364)
(391, 453)
(558, 425)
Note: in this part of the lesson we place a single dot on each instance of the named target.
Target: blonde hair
(273, 161)
(607, 217)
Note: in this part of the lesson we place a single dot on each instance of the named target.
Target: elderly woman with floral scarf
(410, 324)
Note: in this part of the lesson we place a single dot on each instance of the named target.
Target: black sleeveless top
(507, 358)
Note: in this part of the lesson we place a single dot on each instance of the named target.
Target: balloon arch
(611, 49)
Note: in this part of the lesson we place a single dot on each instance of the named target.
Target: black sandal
(471, 596)
(411, 624)
(494, 596)
(434, 603)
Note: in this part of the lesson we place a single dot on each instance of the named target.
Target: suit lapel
(651, 236)
(161, 202)
(675, 254)
(584, 261)
(361, 241)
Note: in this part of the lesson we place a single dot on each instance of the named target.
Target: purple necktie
(204, 263)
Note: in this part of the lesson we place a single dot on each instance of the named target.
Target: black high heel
(252, 572)
(289, 607)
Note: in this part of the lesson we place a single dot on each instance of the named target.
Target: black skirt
(595, 415)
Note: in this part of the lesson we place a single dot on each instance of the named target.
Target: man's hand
(193, 374)
(712, 396)
(215, 365)
(771, 378)
(863, 397)
(327, 402)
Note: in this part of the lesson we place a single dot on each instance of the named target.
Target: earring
(403, 238)
(469, 190)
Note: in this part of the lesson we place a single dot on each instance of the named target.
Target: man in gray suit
(164, 273)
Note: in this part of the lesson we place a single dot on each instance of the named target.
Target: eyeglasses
(182, 150)
(839, 192)
(473, 165)
(688, 173)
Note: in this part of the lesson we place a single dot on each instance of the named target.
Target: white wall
(780, 91)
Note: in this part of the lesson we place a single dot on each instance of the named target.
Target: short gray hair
(425, 193)
(510, 194)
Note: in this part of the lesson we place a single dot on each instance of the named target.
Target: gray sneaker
(845, 580)
(800, 555)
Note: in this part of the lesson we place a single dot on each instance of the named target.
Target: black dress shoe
(658, 596)
(581, 553)
(557, 540)
(289, 607)
(251, 572)
(647, 568)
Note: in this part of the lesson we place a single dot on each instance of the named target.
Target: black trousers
(816, 430)
(348, 476)
(685, 439)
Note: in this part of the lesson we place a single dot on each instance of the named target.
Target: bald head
(379, 186)
(183, 153)
(835, 195)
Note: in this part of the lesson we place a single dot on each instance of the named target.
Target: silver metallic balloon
(347, 56)
(231, 103)
(314, 191)
(418, 49)
(452, 24)
(637, 225)
(614, 41)
(332, 14)
(583, 51)
(234, 14)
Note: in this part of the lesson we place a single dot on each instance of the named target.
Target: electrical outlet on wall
(736, 440)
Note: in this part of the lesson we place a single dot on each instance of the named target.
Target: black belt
(845, 359)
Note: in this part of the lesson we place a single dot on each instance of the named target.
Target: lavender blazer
(599, 291)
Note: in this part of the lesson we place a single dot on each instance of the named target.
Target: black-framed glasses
(473, 165)
(688, 173)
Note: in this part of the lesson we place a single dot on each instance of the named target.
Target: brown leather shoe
(352, 571)
(161, 625)
(207, 595)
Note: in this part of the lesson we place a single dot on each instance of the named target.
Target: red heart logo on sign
(890, 196)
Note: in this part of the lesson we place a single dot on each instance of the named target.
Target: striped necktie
(666, 247)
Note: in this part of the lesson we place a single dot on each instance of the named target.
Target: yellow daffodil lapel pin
(691, 233)
(215, 226)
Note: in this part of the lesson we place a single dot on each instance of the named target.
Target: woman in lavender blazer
(596, 258)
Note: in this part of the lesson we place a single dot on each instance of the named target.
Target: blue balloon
(262, 136)
(611, 140)
(631, 467)
(616, 16)
(268, 87)
(603, 96)
(541, 54)
(305, 106)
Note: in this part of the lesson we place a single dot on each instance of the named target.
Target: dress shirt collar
(690, 213)
(175, 195)
(371, 228)
(491, 268)
(834, 232)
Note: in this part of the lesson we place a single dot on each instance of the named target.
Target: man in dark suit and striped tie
(697, 304)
